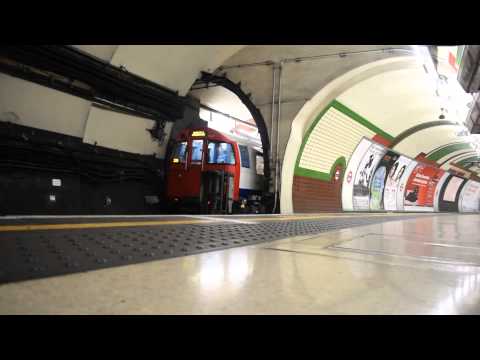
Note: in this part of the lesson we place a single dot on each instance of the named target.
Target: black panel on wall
(42, 172)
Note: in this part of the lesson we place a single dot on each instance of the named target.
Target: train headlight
(243, 204)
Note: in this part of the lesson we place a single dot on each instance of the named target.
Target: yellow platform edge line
(32, 227)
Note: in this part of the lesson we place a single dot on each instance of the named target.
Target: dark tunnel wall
(42, 172)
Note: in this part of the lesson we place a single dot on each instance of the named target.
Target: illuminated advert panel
(469, 200)
(403, 185)
(420, 188)
(351, 170)
(387, 167)
(400, 171)
(448, 196)
(364, 177)
(445, 177)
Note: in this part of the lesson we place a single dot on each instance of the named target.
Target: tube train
(210, 172)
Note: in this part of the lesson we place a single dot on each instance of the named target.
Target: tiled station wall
(331, 140)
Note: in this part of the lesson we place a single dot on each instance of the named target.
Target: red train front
(204, 172)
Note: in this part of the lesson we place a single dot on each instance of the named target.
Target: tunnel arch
(224, 81)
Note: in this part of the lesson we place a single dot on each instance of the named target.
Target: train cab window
(179, 154)
(244, 156)
(259, 163)
(197, 150)
(220, 153)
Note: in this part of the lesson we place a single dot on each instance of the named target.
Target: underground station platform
(342, 263)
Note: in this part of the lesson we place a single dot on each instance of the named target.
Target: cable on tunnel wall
(279, 111)
(313, 58)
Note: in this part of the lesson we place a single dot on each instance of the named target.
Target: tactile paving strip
(38, 254)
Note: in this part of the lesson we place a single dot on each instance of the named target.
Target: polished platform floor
(41, 247)
(427, 264)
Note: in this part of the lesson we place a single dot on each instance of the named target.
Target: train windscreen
(179, 154)
(197, 150)
(220, 153)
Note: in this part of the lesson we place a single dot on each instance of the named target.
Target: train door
(184, 175)
(220, 180)
(195, 166)
(177, 172)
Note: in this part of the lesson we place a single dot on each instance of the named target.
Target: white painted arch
(317, 103)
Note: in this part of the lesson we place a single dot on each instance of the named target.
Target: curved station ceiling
(318, 103)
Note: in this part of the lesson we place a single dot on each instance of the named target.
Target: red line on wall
(381, 140)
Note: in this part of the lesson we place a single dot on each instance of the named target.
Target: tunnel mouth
(225, 108)
(207, 79)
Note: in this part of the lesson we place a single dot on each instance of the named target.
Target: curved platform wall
(394, 96)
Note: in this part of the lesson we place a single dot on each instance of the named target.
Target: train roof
(217, 135)
(211, 133)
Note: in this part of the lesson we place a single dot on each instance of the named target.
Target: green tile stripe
(451, 159)
(437, 155)
(341, 160)
(471, 158)
(442, 147)
(458, 57)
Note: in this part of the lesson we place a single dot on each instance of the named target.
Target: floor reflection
(464, 294)
(230, 269)
(211, 271)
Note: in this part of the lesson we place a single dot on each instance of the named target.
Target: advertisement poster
(364, 175)
(377, 186)
(347, 186)
(470, 197)
(441, 185)
(448, 199)
(403, 184)
(392, 184)
(421, 186)
(451, 190)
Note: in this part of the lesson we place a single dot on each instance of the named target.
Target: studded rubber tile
(43, 253)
